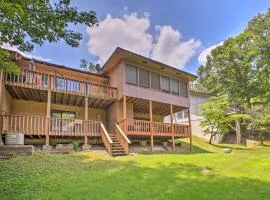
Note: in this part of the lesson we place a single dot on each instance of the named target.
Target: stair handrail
(123, 139)
(122, 134)
(106, 138)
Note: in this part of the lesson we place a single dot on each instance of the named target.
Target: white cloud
(202, 58)
(28, 55)
(129, 32)
(171, 50)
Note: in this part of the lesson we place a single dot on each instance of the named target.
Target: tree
(218, 117)
(240, 68)
(231, 70)
(215, 120)
(259, 122)
(89, 66)
(26, 23)
(260, 26)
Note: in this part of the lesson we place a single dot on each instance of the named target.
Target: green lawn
(243, 174)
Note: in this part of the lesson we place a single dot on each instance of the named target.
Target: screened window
(175, 86)
(155, 81)
(182, 114)
(144, 77)
(131, 74)
(165, 83)
(183, 88)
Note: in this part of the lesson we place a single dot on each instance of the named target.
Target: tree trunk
(261, 137)
(238, 131)
(210, 140)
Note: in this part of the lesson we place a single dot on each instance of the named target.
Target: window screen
(165, 83)
(175, 86)
(183, 88)
(155, 81)
(144, 77)
(131, 74)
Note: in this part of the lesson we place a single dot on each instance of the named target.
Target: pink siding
(149, 94)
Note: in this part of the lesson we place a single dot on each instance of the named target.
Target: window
(175, 86)
(131, 74)
(62, 121)
(155, 81)
(165, 84)
(182, 114)
(183, 88)
(144, 78)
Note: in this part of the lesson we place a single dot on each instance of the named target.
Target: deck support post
(125, 113)
(151, 125)
(86, 118)
(1, 95)
(47, 139)
(1, 84)
(172, 128)
(190, 131)
(48, 110)
(189, 122)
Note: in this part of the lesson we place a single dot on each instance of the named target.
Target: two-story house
(126, 101)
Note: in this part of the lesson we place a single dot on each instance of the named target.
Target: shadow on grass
(223, 146)
(120, 179)
(181, 148)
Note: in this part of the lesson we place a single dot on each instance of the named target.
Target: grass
(206, 173)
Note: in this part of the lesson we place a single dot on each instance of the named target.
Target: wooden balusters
(122, 138)
(37, 125)
(106, 139)
(143, 127)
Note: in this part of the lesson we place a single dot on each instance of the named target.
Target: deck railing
(38, 80)
(106, 139)
(28, 79)
(38, 125)
(143, 127)
(122, 138)
(28, 125)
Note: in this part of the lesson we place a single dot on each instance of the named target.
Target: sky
(176, 32)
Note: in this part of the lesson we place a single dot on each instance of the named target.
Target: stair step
(118, 149)
(119, 154)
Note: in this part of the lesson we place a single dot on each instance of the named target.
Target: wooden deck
(38, 125)
(34, 86)
(147, 128)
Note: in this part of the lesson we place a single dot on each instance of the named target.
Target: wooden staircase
(117, 149)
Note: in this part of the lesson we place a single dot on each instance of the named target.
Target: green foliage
(242, 175)
(240, 68)
(25, 23)
(76, 145)
(6, 64)
(215, 115)
(259, 121)
(89, 66)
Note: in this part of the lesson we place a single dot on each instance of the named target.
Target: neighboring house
(198, 96)
(196, 100)
(126, 101)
